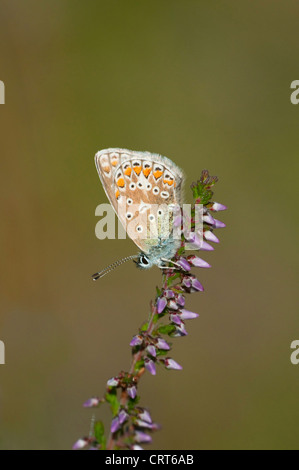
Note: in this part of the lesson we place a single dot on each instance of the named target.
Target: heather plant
(131, 423)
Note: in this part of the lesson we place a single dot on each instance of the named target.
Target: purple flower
(172, 305)
(206, 247)
(181, 300)
(198, 262)
(136, 341)
(91, 402)
(115, 425)
(136, 447)
(218, 207)
(194, 239)
(208, 219)
(210, 236)
(186, 282)
(142, 437)
(122, 416)
(175, 319)
(187, 315)
(218, 224)
(132, 392)
(161, 304)
(196, 285)
(143, 424)
(150, 365)
(177, 221)
(145, 416)
(180, 330)
(112, 382)
(169, 294)
(151, 350)
(80, 444)
(171, 364)
(162, 344)
(184, 264)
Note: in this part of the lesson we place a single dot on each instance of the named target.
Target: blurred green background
(206, 83)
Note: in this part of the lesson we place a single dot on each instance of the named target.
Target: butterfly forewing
(141, 186)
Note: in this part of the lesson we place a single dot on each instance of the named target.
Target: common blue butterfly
(141, 187)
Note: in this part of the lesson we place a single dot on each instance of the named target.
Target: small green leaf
(202, 192)
(139, 365)
(166, 329)
(161, 352)
(112, 399)
(159, 291)
(172, 278)
(144, 327)
(132, 402)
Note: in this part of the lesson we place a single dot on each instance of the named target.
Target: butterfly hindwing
(141, 186)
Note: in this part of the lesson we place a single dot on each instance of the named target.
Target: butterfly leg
(167, 267)
(172, 262)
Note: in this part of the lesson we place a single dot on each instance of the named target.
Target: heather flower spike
(131, 424)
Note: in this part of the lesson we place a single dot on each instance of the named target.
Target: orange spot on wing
(137, 170)
(128, 171)
(157, 174)
(147, 171)
(114, 163)
(106, 169)
(120, 182)
(117, 194)
(169, 182)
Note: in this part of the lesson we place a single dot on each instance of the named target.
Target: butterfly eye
(139, 228)
(129, 201)
(144, 260)
(156, 190)
(133, 186)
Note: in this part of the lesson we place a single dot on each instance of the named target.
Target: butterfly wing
(140, 187)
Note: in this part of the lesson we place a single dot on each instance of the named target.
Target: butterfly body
(144, 189)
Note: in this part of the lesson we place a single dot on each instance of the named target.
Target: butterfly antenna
(112, 266)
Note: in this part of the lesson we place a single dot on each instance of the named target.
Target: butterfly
(145, 190)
